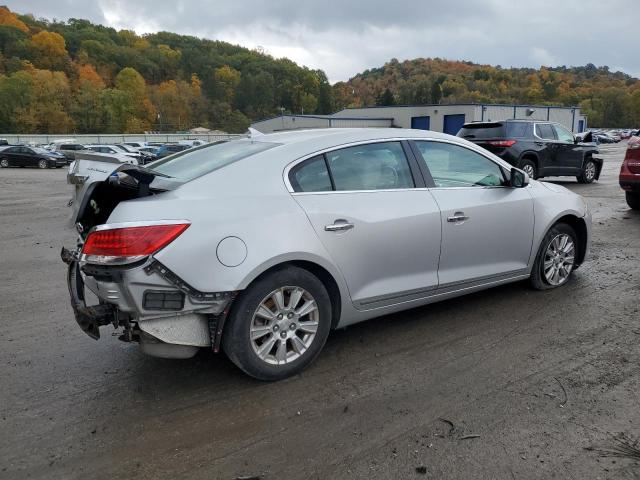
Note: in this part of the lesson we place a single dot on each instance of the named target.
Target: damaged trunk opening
(166, 316)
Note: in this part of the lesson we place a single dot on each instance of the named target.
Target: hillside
(609, 98)
(75, 76)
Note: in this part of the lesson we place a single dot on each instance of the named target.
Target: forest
(75, 76)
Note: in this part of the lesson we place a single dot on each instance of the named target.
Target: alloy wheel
(284, 325)
(529, 170)
(42, 164)
(559, 259)
(590, 171)
(4, 163)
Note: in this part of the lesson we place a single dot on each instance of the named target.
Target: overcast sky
(348, 36)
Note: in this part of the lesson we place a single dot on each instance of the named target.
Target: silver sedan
(260, 246)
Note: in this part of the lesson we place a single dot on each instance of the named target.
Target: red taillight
(130, 242)
(633, 166)
(502, 143)
(632, 157)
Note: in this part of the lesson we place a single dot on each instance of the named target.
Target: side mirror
(518, 178)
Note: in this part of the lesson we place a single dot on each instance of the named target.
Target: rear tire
(528, 167)
(588, 174)
(265, 318)
(555, 260)
(633, 200)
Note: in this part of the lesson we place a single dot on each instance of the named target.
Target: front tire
(556, 258)
(633, 200)
(43, 164)
(278, 326)
(4, 163)
(588, 174)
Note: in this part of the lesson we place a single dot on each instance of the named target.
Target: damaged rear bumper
(131, 297)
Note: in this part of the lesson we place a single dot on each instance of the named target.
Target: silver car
(260, 246)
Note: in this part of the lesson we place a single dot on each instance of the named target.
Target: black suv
(542, 149)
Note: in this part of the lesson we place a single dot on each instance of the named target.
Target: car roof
(345, 135)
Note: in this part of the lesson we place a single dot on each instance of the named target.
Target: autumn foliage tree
(76, 76)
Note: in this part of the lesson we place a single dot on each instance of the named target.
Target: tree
(436, 92)
(386, 98)
(227, 80)
(10, 19)
(50, 50)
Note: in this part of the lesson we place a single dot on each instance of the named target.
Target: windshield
(198, 161)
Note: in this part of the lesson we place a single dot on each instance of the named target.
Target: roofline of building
(321, 117)
(457, 105)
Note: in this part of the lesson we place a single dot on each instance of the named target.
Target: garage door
(421, 123)
(453, 123)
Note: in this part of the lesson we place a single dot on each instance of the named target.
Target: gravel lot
(506, 383)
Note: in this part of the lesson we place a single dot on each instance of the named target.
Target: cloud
(346, 37)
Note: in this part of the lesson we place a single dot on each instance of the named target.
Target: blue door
(580, 126)
(421, 123)
(453, 123)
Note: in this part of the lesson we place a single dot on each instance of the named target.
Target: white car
(116, 150)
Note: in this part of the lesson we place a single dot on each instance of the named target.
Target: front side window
(374, 166)
(455, 166)
(564, 135)
(545, 131)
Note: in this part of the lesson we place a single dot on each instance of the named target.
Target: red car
(630, 173)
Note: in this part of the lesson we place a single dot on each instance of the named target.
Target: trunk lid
(101, 182)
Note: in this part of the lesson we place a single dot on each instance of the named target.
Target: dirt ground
(507, 383)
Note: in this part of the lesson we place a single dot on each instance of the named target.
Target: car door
(20, 157)
(29, 157)
(11, 156)
(545, 139)
(487, 226)
(374, 217)
(568, 154)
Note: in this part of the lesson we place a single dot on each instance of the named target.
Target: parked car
(171, 148)
(67, 149)
(192, 143)
(540, 149)
(263, 245)
(152, 150)
(137, 145)
(143, 157)
(630, 173)
(137, 158)
(21, 156)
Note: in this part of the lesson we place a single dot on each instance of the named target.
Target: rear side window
(545, 131)
(376, 166)
(311, 176)
(517, 129)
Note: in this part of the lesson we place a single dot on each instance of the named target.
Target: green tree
(386, 98)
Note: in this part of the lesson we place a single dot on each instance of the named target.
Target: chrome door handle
(457, 217)
(338, 227)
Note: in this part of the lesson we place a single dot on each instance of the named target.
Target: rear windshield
(494, 130)
(199, 161)
(482, 130)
